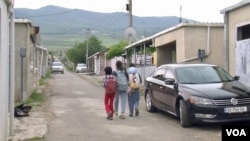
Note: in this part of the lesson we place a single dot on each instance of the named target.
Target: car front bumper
(57, 70)
(218, 114)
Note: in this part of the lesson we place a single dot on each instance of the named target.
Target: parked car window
(198, 75)
(81, 65)
(159, 74)
(169, 74)
(57, 64)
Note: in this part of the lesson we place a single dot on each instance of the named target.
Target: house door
(242, 60)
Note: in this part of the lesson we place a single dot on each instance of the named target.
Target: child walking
(122, 87)
(110, 84)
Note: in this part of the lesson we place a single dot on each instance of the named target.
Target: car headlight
(200, 100)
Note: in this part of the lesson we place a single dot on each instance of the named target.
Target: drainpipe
(144, 50)
(226, 52)
(208, 40)
(41, 64)
(12, 68)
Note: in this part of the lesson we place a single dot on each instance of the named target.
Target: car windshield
(57, 64)
(202, 74)
(81, 65)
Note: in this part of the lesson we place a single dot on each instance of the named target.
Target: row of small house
(23, 61)
(31, 59)
(225, 44)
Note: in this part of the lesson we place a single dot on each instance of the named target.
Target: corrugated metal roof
(139, 42)
(42, 48)
(97, 53)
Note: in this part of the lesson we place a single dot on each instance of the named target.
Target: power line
(118, 14)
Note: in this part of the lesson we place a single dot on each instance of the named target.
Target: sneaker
(122, 116)
(109, 116)
(136, 112)
(131, 115)
(112, 115)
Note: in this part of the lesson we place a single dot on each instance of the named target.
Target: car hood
(217, 90)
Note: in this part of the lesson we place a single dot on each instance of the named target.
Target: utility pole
(87, 48)
(129, 9)
(180, 14)
(129, 31)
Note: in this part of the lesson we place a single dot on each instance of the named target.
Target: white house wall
(97, 65)
(4, 71)
(236, 17)
(113, 61)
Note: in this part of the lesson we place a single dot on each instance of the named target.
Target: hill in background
(62, 27)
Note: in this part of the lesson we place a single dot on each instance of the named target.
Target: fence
(145, 71)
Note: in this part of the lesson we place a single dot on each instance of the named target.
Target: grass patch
(42, 82)
(36, 99)
(36, 139)
(48, 74)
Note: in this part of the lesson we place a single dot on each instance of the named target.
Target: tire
(184, 116)
(149, 105)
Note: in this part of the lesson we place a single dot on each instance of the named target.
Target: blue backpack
(122, 81)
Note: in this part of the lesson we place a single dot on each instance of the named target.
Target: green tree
(77, 53)
(95, 45)
(116, 50)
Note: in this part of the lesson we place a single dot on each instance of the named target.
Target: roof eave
(235, 6)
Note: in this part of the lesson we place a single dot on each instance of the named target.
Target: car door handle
(161, 87)
(150, 84)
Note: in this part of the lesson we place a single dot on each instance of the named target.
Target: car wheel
(184, 117)
(149, 105)
(62, 72)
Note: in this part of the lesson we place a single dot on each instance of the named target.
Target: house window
(243, 32)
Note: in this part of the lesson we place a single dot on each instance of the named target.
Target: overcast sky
(200, 10)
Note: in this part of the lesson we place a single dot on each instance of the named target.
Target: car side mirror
(236, 78)
(169, 81)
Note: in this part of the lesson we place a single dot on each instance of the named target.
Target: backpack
(122, 81)
(110, 85)
(134, 81)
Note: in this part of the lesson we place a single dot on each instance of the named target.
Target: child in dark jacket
(110, 85)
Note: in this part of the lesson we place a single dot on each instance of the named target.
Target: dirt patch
(36, 124)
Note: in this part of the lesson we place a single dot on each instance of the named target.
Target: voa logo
(236, 132)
